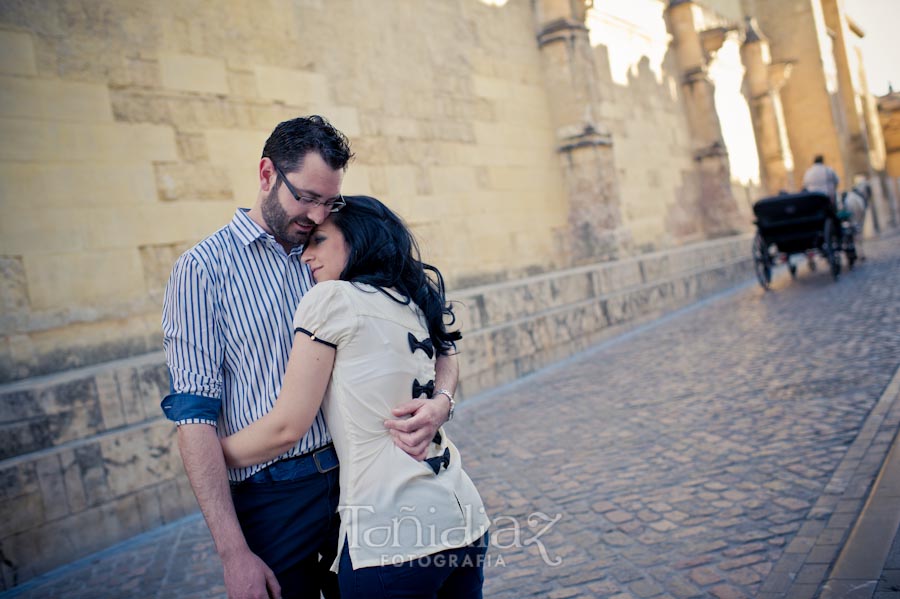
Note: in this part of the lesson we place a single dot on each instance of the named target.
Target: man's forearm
(205, 467)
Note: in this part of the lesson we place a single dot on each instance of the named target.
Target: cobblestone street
(723, 451)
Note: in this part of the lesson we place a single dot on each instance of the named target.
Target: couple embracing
(311, 370)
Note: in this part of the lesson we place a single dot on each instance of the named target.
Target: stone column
(856, 147)
(693, 48)
(762, 82)
(584, 145)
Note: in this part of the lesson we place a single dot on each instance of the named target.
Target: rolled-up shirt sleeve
(193, 344)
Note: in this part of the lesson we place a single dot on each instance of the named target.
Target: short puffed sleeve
(326, 315)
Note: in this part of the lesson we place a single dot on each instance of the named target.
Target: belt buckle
(319, 467)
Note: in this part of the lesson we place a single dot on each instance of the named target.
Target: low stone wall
(513, 328)
(86, 459)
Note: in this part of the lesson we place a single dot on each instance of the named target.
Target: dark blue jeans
(288, 513)
(451, 574)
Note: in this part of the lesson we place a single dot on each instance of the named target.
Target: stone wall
(86, 459)
(797, 33)
(646, 112)
(131, 130)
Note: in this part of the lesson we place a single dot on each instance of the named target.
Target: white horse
(856, 202)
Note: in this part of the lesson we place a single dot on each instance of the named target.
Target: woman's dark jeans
(451, 574)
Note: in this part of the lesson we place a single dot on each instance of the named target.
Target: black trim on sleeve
(314, 338)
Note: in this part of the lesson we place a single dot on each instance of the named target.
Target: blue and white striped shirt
(227, 322)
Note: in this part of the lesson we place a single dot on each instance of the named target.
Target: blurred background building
(571, 166)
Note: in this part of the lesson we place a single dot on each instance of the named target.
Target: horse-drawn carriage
(805, 224)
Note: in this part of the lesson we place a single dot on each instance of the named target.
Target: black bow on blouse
(441, 460)
(426, 346)
(418, 389)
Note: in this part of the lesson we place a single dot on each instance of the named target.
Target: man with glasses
(227, 321)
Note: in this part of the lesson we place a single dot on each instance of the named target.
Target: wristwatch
(452, 403)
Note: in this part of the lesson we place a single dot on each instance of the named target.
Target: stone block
(29, 229)
(617, 276)
(491, 87)
(17, 50)
(506, 303)
(654, 268)
(56, 414)
(21, 555)
(75, 186)
(345, 118)
(131, 395)
(193, 181)
(475, 353)
(43, 141)
(390, 126)
(64, 281)
(13, 294)
(94, 475)
(505, 342)
(18, 480)
(574, 323)
(524, 178)
(53, 489)
(89, 531)
(469, 310)
(152, 384)
(237, 152)
(571, 288)
(173, 505)
(54, 100)
(242, 83)
(150, 508)
(192, 146)
(21, 513)
(200, 74)
(292, 86)
(157, 261)
(71, 469)
(139, 458)
(356, 181)
(110, 401)
(402, 180)
(186, 221)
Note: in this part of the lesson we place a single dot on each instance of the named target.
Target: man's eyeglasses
(331, 205)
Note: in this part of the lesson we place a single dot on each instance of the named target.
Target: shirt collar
(248, 231)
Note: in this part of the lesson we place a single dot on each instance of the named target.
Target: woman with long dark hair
(366, 336)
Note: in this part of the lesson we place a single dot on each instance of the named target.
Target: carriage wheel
(761, 261)
(831, 248)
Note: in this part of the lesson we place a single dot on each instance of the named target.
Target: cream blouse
(393, 508)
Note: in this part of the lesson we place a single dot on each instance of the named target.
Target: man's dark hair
(819, 159)
(292, 140)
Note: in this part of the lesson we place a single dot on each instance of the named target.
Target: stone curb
(859, 565)
(838, 529)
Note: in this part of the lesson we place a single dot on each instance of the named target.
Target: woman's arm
(305, 380)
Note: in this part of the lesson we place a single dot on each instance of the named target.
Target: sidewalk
(743, 447)
(869, 563)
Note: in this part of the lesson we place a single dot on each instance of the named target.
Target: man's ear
(267, 174)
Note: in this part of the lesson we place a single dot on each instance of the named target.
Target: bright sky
(880, 20)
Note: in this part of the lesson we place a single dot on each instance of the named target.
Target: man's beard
(280, 223)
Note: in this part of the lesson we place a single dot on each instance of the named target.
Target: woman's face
(326, 252)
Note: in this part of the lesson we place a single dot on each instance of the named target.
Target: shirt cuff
(188, 408)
